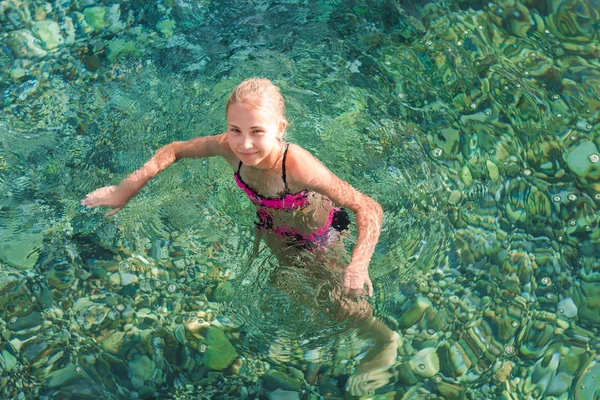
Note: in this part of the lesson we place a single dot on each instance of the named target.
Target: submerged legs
(375, 368)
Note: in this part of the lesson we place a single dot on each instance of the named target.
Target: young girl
(301, 207)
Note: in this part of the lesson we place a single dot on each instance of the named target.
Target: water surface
(474, 125)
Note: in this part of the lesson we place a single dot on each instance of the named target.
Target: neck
(273, 159)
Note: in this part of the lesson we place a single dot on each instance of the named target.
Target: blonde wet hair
(259, 93)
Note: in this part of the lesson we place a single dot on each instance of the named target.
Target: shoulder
(221, 148)
(303, 168)
(296, 152)
(205, 146)
(298, 158)
(307, 172)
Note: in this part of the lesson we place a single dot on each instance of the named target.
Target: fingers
(91, 202)
(354, 289)
(99, 198)
(91, 199)
(346, 288)
(88, 202)
(95, 199)
(113, 212)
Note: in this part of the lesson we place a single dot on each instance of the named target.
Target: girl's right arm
(117, 197)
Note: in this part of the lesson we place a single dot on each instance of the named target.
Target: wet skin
(254, 138)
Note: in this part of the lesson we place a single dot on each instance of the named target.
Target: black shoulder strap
(283, 168)
(239, 167)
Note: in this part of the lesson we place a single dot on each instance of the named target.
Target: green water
(475, 125)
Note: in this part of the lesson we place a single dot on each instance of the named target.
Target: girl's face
(253, 134)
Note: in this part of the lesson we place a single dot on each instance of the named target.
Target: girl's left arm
(307, 170)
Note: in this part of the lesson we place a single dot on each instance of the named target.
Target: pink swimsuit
(337, 220)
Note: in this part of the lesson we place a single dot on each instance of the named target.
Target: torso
(269, 184)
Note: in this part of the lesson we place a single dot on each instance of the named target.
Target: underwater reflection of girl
(301, 209)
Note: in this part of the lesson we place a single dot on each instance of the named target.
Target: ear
(282, 126)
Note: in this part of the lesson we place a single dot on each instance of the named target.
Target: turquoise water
(475, 125)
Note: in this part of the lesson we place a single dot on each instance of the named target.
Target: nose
(246, 142)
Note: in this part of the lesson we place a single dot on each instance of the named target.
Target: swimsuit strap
(287, 190)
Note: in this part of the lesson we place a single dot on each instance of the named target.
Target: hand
(355, 279)
(108, 196)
